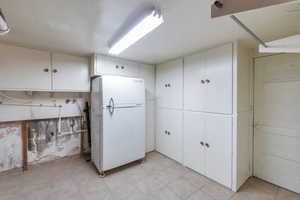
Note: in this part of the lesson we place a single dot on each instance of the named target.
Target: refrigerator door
(123, 136)
(123, 91)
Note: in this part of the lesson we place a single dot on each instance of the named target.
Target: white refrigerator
(117, 121)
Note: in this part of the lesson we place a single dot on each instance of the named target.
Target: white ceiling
(84, 27)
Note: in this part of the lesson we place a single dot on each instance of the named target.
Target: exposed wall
(45, 143)
(10, 146)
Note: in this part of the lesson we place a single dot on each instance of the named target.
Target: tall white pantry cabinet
(204, 113)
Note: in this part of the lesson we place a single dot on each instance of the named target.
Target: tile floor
(158, 178)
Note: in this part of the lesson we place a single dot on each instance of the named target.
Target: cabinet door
(114, 66)
(169, 133)
(194, 82)
(24, 69)
(70, 73)
(218, 63)
(169, 85)
(218, 137)
(194, 141)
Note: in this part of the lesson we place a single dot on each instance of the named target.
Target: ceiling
(84, 27)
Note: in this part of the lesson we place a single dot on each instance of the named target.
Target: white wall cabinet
(208, 81)
(194, 141)
(169, 84)
(208, 145)
(169, 133)
(211, 88)
(105, 65)
(26, 69)
(70, 73)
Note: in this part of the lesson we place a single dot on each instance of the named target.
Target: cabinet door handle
(202, 81)
(202, 143)
(207, 81)
(207, 145)
(46, 70)
(55, 71)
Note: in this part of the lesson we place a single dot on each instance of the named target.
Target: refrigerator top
(123, 91)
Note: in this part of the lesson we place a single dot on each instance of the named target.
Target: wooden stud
(25, 145)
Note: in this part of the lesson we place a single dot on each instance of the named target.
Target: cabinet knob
(202, 143)
(207, 81)
(202, 81)
(46, 70)
(169, 133)
(55, 71)
(166, 132)
(207, 145)
(122, 67)
(166, 85)
(117, 66)
(169, 85)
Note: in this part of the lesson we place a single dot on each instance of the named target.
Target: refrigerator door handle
(111, 106)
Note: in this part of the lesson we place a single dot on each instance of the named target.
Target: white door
(70, 73)
(169, 133)
(24, 69)
(277, 117)
(169, 84)
(194, 141)
(218, 142)
(122, 91)
(194, 82)
(218, 63)
(123, 136)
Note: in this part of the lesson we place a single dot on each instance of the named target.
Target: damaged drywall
(46, 143)
(10, 146)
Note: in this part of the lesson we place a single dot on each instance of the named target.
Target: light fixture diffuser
(4, 28)
(148, 22)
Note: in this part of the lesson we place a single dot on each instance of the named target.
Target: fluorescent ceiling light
(151, 20)
(3, 24)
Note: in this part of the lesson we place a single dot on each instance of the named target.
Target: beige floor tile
(116, 180)
(197, 179)
(217, 191)
(287, 195)
(158, 178)
(200, 195)
(256, 189)
(150, 185)
(165, 194)
(182, 188)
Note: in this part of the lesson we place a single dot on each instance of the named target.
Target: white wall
(243, 115)
(147, 72)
